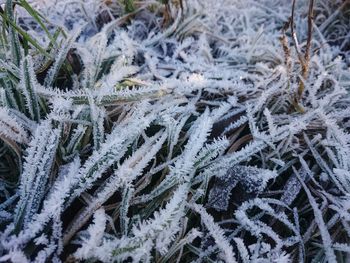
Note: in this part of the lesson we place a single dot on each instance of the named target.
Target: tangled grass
(174, 131)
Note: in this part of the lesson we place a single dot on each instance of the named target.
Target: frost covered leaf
(11, 128)
(122, 178)
(59, 60)
(252, 179)
(118, 120)
(95, 233)
(36, 170)
(258, 227)
(97, 118)
(159, 231)
(110, 151)
(292, 187)
(56, 199)
(326, 238)
(217, 233)
(16, 51)
(28, 86)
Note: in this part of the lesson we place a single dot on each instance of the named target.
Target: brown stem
(285, 46)
(309, 32)
(303, 60)
(294, 35)
(306, 60)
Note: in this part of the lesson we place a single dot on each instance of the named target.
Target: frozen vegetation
(175, 131)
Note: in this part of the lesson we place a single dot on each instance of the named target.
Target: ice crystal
(174, 131)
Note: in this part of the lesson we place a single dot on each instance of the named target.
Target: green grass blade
(27, 85)
(24, 35)
(13, 36)
(38, 18)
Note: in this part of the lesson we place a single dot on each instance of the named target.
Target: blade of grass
(14, 39)
(38, 18)
(26, 36)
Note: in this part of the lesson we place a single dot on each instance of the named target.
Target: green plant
(125, 137)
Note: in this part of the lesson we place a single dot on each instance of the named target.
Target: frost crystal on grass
(174, 131)
(252, 179)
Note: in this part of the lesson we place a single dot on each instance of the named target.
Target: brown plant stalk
(304, 60)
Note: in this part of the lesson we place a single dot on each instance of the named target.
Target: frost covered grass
(175, 131)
